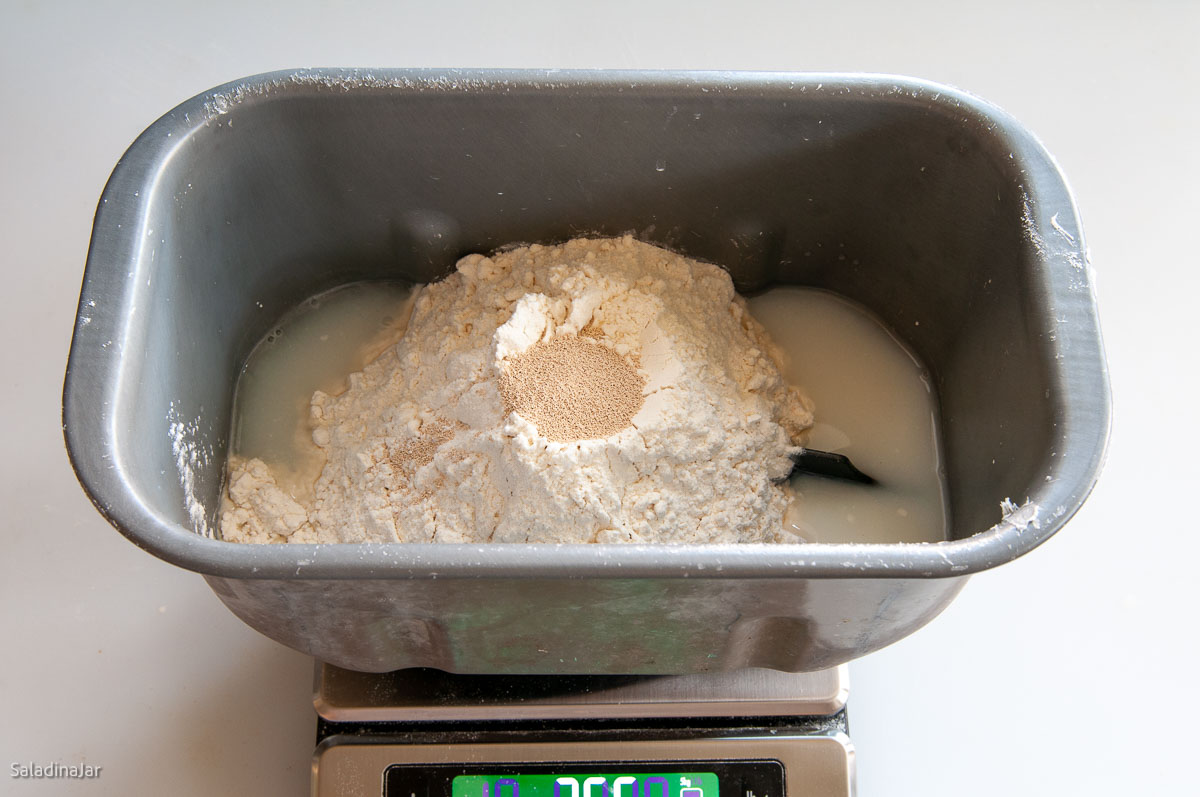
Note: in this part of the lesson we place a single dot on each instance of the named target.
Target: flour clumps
(604, 390)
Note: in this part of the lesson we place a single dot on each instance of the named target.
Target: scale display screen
(588, 779)
(588, 784)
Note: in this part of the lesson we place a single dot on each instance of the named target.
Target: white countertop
(1024, 686)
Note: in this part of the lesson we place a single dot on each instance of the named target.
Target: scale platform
(426, 733)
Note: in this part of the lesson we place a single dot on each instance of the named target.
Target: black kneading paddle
(825, 463)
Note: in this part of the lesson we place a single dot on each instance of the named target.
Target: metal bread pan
(933, 209)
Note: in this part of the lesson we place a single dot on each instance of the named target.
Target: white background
(1066, 672)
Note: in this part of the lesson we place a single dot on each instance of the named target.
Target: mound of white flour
(423, 446)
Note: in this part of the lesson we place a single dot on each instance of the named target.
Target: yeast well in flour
(601, 391)
(572, 388)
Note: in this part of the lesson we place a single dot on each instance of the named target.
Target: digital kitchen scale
(426, 733)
